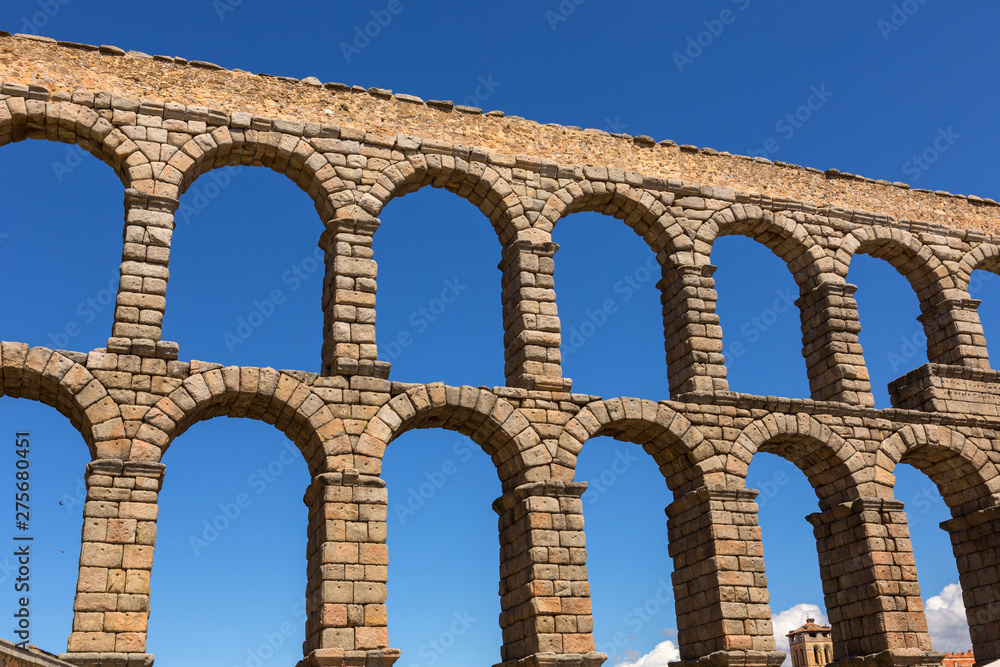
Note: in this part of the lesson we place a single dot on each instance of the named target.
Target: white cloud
(790, 619)
(946, 620)
(664, 653)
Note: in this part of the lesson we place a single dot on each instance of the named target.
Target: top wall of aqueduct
(161, 122)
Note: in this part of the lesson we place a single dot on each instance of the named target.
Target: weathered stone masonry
(160, 123)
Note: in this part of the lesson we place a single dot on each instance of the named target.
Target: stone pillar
(834, 359)
(544, 593)
(346, 622)
(141, 301)
(349, 346)
(870, 583)
(692, 335)
(955, 333)
(975, 539)
(111, 611)
(531, 335)
(720, 588)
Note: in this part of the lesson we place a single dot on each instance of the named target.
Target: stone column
(955, 333)
(111, 611)
(349, 346)
(720, 588)
(141, 302)
(544, 593)
(531, 335)
(692, 335)
(870, 581)
(346, 622)
(834, 358)
(975, 539)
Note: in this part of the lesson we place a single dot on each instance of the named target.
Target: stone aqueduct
(162, 122)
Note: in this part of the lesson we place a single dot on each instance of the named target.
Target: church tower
(810, 645)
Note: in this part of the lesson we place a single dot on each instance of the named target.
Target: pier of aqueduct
(161, 123)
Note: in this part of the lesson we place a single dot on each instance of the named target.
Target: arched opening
(246, 272)
(793, 579)
(628, 565)
(61, 246)
(939, 579)
(439, 311)
(229, 572)
(761, 332)
(441, 528)
(984, 286)
(57, 459)
(609, 308)
(893, 340)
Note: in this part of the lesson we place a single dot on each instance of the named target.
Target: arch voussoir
(834, 467)
(261, 394)
(965, 475)
(502, 431)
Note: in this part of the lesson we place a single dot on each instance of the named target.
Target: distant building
(963, 659)
(811, 645)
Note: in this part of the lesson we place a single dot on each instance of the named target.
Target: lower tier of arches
(702, 448)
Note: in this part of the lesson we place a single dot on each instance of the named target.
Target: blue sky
(235, 597)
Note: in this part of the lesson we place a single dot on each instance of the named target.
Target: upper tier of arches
(345, 176)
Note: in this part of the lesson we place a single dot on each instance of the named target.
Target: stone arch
(40, 374)
(493, 423)
(963, 472)
(786, 238)
(915, 261)
(70, 123)
(834, 467)
(482, 185)
(686, 459)
(640, 209)
(294, 156)
(985, 256)
(264, 394)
